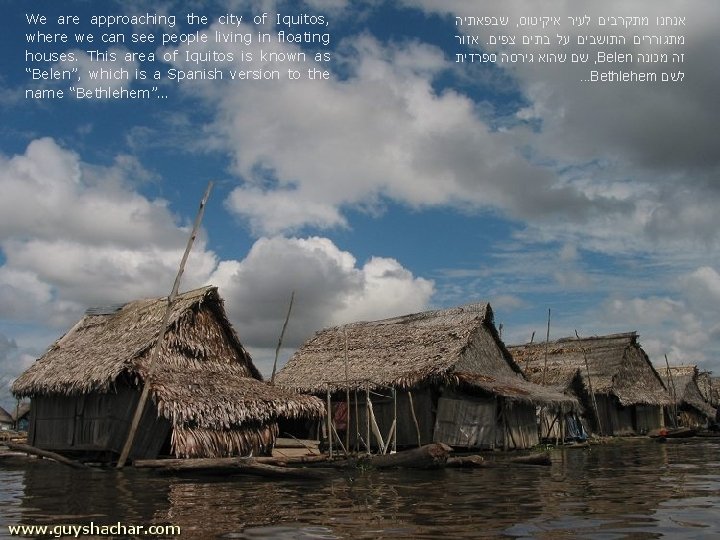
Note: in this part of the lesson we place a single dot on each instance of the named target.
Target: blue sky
(407, 181)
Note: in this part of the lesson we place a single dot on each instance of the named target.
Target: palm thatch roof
(204, 380)
(616, 365)
(458, 346)
(682, 381)
(715, 391)
(705, 384)
(21, 411)
(5, 417)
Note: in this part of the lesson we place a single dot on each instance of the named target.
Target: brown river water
(634, 488)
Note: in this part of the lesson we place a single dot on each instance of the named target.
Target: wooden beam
(155, 352)
(280, 340)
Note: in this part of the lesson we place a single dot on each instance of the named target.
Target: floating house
(6, 420)
(21, 416)
(690, 406)
(709, 387)
(620, 390)
(207, 397)
(438, 376)
(714, 391)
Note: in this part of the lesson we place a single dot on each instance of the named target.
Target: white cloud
(306, 149)
(13, 361)
(74, 235)
(116, 245)
(655, 139)
(330, 288)
(702, 288)
(106, 72)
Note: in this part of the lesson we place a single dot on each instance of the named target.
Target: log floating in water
(429, 456)
(217, 463)
(479, 462)
(45, 454)
(267, 467)
(466, 462)
(533, 459)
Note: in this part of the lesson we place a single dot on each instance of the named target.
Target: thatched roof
(204, 378)
(21, 411)
(715, 391)
(457, 346)
(684, 381)
(5, 417)
(705, 384)
(617, 366)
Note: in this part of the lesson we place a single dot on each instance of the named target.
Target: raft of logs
(429, 456)
(314, 467)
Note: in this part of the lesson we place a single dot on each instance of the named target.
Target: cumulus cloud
(330, 288)
(663, 143)
(112, 71)
(74, 235)
(308, 150)
(702, 288)
(116, 245)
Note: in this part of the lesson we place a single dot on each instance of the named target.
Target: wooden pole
(394, 445)
(389, 437)
(44, 454)
(415, 420)
(367, 417)
(673, 409)
(376, 429)
(547, 344)
(527, 359)
(155, 352)
(329, 421)
(282, 334)
(347, 394)
(357, 422)
(590, 388)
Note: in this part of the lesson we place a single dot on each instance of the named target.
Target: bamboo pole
(155, 353)
(347, 393)
(415, 420)
(527, 358)
(282, 334)
(340, 444)
(590, 388)
(357, 421)
(394, 445)
(390, 436)
(331, 428)
(367, 417)
(674, 393)
(376, 428)
(547, 344)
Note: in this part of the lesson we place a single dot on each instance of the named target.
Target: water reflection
(636, 488)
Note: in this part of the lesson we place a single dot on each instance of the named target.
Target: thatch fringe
(211, 443)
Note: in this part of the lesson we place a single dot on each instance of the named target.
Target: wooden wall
(95, 423)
